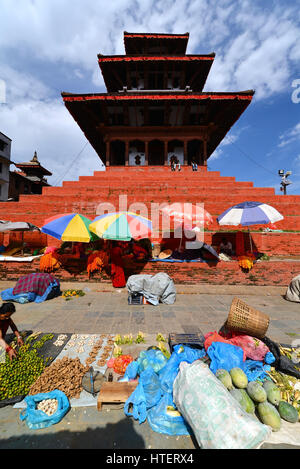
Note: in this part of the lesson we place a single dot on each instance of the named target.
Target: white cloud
(256, 47)
(48, 129)
(290, 136)
(228, 140)
(297, 160)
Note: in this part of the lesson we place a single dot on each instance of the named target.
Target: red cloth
(239, 243)
(117, 270)
(215, 337)
(139, 252)
(253, 348)
(36, 283)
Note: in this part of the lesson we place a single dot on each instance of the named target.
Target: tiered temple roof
(155, 94)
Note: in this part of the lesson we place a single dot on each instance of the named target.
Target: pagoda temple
(155, 106)
(29, 179)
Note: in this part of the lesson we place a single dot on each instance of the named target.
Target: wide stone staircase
(150, 186)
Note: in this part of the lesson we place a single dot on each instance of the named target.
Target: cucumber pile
(261, 399)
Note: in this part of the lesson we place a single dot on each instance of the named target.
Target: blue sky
(51, 46)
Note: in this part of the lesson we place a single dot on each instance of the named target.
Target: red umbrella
(188, 214)
(190, 217)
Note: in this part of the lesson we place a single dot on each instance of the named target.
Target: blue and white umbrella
(249, 213)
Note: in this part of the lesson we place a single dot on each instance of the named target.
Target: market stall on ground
(89, 246)
(247, 214)
(18, 250)
(95, 245)
(174, 384)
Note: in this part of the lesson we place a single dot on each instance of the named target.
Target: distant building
(30, 179)
(5, 150)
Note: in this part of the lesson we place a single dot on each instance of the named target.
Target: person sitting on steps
(194, 165)
(175, 162)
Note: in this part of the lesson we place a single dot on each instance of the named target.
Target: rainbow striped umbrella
(69, 227)
(121, 226)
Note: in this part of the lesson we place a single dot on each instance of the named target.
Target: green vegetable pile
(17, 375)
(264, 399)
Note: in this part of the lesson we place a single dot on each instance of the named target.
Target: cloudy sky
(49, 46)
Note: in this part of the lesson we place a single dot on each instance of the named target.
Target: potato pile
(64, 374)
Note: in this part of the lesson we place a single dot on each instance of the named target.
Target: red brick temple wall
(157, 185)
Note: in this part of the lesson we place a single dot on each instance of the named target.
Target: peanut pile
(64, 374)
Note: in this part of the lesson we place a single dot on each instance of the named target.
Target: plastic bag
(153, 358)
(169, 372)
(36, 419)
(163, 419)
(131, 371)
(138, 402)
(226, 356)
(216, 418)
(282, 363)
(213, 337)
(151, 384)
(255, 370)
(121, 363)
(146, 395)
(269, 358)
(254, 348)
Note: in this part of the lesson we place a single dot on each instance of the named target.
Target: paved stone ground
(105, 310)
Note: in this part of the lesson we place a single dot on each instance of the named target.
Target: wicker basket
(245, 319)
(156, 250)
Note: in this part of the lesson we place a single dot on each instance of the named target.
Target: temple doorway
(176, 147)
(136, 153)
(195, 152)
(156, 153)
(117, 153)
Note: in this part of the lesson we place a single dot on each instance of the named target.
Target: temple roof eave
(163, 95)
(149, 58)
(28, 165)
(222, 110)
(133, 42)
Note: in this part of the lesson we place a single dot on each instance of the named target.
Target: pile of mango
(265, 400)
(69, 294)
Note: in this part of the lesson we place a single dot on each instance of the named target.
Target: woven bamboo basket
(156, 250)
(245, 319)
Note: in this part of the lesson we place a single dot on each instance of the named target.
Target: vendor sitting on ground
(79, 250)
(117, 266)
(139, 252)
(226, 247)
(6, 310)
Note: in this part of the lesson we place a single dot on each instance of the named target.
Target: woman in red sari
(117, 267)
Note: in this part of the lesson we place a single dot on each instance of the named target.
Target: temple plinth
(155, 106)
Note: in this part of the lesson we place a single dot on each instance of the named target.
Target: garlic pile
(60, 340)
(49, 406)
